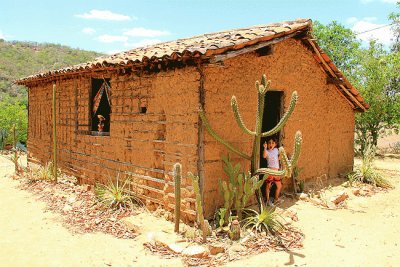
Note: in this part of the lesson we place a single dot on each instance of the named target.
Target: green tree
(378, 69)
(373, 70)
(341, 45)
(10, 114)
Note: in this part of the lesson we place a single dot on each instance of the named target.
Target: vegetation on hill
(21, 59)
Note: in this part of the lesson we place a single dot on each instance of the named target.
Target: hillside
(20, 59)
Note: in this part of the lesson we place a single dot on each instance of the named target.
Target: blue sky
(118, 25)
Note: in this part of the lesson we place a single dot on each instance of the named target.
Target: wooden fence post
(54, 135)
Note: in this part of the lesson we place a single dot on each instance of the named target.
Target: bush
(116, 195)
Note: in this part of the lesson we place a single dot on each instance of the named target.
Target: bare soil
(365, 233)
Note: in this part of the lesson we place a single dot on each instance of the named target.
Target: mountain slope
(20, 59)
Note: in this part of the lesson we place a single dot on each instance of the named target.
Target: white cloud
(112, 38)
(142, 32)
(367, 30)
(142, 43)
(2, 36)
(104, 15)
(88, 30)
(351, 20)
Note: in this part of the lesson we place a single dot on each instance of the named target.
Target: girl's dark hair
(273, 138)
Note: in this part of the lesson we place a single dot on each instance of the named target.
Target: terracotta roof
(206, 44)
(212, 46)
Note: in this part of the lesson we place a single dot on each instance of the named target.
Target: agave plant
(366, 172)
(44, 173)
(266, 220)
(115, 195)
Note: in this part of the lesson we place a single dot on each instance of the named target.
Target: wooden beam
(334, 80)
(234, 53)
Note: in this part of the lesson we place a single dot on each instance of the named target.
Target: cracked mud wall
(144, 146)
(322, 114)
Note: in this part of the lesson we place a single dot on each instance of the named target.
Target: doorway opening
(271, 117)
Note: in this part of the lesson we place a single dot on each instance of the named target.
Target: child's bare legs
(267, 189)
(278, 190)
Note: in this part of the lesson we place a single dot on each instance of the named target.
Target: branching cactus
(287, 163)
(177, 179)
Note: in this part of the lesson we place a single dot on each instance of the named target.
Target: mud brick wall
(322, 114)
(145, 146)
(142, 146)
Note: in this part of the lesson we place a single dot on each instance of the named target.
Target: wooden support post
(177, 178)
(54, 135)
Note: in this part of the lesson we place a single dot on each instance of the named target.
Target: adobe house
(149, 100)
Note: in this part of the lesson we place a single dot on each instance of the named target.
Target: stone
(237, 248)
(195, 251)
(175, 248)
(356, 191)
(316, 201)
(339, 197)
(303, 196)
(67, 208)
(331, 205)
(216, 248)
(128, 223)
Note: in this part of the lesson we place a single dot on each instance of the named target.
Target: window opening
(142, 106)
(101, 105)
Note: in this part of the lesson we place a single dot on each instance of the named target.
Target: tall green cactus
(255, 156)
(177, 179)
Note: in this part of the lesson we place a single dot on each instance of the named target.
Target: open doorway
(271, 117)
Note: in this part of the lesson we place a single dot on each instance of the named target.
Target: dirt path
(32, 237)
(365, 234)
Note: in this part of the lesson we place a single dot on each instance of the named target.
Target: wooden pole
(177, 178)
(54, 135)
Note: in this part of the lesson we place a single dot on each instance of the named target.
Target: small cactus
(199, 205)
(177, 179)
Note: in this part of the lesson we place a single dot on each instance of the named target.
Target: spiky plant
(115, 195)
(366, 173)
(43, 173)
(258, 134)
(266, 220)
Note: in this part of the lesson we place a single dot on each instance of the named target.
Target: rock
(316, 201)
(216, 248)
(331, 205)
(175, 248)
(128, 222)
(356, 191)
(237, 248)
(303, 196)
(339, 197)
(67, 208)
(196, 251)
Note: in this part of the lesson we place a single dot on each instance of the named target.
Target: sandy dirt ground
(367, 233)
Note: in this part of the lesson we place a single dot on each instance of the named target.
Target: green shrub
(266, 220)
(116, 195)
